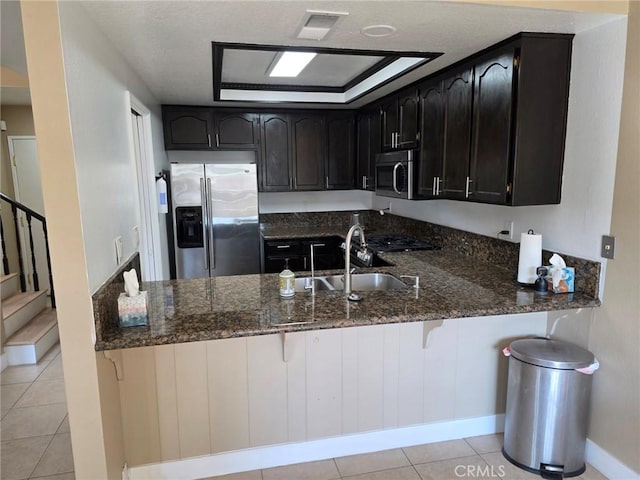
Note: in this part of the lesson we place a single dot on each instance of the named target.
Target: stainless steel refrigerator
(215, 219)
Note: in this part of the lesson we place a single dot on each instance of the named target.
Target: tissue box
(567, 281)
(132, 311)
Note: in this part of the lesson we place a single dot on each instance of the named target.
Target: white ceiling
(169, 42)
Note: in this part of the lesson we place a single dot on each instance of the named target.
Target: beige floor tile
(320, 470)
(505, 469)
(371, 462)
(252, 475)
(433, 452)
(53, 371)
(21, 374)
(43, 393)
(64, 426)
(486, 443)
(10, 394)
(33, 421)
(62, 476)
(592, 474)
(3, 412)
(403, 473)
(20, 457)
(58, 457)
(455, 468)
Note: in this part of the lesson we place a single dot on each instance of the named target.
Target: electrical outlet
(608, 247)
(118, 244)
(508, 226)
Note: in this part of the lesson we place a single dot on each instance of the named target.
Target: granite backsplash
(492, 250)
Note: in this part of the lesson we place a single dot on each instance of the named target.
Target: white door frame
(149, 232)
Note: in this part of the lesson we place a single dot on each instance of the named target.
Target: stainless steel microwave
(394, 174)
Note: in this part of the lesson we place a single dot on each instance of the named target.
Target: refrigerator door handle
(205, 222)
(212, 253)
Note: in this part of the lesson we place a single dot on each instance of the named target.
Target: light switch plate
(608, 247)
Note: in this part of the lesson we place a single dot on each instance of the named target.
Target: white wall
(576, 225)
(339, 200)
(97, 81)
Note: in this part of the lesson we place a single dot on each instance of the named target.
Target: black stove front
(397, 243)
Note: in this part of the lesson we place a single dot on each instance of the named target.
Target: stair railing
(29, 214)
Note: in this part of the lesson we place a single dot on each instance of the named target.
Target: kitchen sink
(367, 281)
(303, 284)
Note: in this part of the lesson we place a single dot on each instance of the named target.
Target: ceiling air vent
(318, 24)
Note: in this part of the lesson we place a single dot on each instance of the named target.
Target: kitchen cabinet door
(400, 121)
(458, 94)
(492, 124)
(408, 114)
(275, 164)
(340, 167)
(429, 175)
(369, 145)
(187, 128)
(309, 138)
(236, 130)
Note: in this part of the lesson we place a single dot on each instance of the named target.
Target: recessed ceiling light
(378, 30)
(290, 64)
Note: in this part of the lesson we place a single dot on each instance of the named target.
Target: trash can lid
(549, 353)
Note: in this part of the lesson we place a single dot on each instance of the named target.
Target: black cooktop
(397, 243)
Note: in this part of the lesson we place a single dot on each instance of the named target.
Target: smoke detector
(317, 24)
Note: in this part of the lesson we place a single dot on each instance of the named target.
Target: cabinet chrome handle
(434, 187)
(318, 245)
(209, 139)
(438, 182)
(283, 246)
(217, 140)
(326, 182)
(395, 177)
(467, 189)
(364, 182)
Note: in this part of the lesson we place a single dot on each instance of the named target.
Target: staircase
(30, 325)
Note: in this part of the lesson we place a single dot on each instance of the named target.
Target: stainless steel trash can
(547, 407)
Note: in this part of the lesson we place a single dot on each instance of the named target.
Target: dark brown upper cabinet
(400, 121)
(309, 138)
(276, 172)
(429, 167)
(458, 100)
(187, 128)
(492, 128)
(234, 130)
(201, 128)
(369, 145)
(340, 166)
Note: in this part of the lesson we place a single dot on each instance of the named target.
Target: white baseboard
(287, 454)
(607, 464)
(4, 362)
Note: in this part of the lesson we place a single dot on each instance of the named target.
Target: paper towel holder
(530, 258)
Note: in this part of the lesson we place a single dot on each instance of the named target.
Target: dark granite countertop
(451, 286)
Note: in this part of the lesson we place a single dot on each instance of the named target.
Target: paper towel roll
(530, 257)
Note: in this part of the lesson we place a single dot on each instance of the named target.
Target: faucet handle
(415, 277)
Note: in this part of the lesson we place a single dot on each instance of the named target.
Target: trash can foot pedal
(551, 472)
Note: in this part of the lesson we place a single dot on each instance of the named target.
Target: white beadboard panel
(324, 383)
(267, 375)
(193, 398)
(411, 373)
(370, 378)
(139, 407)
(481, 366)
(228, 394)
(297, 386)
(169, 425)
(390, 375)
(440, 370)
(350, 380)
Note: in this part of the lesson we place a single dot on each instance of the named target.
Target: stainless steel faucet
(313, 270)
(347, 255)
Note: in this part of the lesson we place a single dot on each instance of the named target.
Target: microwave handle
(395, 177)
